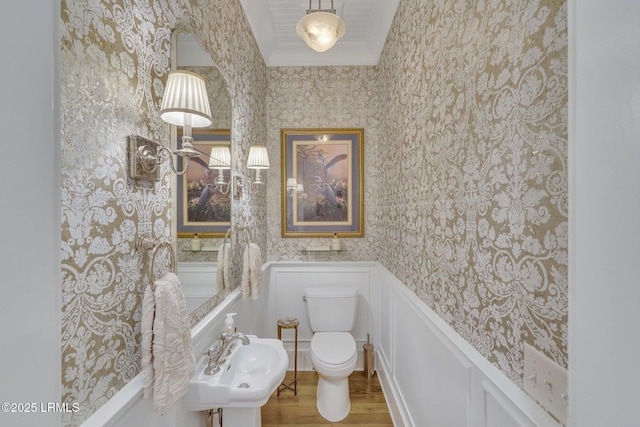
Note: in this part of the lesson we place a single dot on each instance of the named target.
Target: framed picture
(322, 182)
(201, 207)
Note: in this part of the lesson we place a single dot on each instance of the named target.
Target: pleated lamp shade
(220, 158)
(258, 157)
(292, 184)
(185, 99)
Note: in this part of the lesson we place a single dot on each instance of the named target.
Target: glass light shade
(292, 184)
(220, 157)
(185, 98)
(320, 30)
(258, 157)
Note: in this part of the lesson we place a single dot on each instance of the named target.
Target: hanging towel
(146, 327)
(223, 273)
(251, 271)
(168, 361)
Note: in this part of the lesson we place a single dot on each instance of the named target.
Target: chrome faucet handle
(213, 366)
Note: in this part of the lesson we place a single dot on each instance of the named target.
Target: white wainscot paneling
(499, 411)
(198, 280)
(432, 379)
(286, 286)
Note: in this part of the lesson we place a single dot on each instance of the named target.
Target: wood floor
(368, 407)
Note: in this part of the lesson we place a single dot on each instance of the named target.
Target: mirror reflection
(201, 196)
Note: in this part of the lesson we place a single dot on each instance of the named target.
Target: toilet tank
(332, 309)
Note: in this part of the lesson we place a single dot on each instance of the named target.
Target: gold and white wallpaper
(323, 97)
(114, 61)
(473, 206)
(465, 122)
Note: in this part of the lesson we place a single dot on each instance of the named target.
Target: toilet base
(332, 398)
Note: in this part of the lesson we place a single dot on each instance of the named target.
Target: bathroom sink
(246, 380)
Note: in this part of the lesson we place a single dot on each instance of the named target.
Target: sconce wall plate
(140, 149)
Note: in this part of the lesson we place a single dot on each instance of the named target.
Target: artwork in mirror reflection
(204, 205)
(199, 208)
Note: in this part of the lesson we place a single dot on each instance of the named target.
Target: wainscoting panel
(384, 340)
(198, 281)
(441, 379)
(499, 411)
(286, 285)
(429, 375)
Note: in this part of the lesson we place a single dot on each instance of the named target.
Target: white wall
(199, 282)
(30, 215)
(604, 275)
(285, 287)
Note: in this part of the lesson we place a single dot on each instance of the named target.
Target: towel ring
(144, 244)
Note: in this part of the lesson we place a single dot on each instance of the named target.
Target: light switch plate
(546, 381)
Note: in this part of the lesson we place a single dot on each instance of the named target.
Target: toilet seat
(333, 349)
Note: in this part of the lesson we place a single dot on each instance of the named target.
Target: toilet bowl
(333, 352)
(334, 356)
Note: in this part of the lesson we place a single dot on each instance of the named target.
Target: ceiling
(273, 23)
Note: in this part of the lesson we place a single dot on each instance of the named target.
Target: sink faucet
(218, 353)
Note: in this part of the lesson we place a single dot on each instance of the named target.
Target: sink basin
(246, 380)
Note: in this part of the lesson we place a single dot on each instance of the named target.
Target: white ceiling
(273, 23)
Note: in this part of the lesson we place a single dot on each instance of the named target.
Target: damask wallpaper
(323, 97)
(474, 220)
(114, 61)
(465, 122)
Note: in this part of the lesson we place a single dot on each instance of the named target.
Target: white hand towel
(223, 273)
(173, 361)
(146, 327)
(251, 271)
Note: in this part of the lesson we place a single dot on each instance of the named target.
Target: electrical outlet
(546, 381)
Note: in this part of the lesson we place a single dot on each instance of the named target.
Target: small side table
(290, 323)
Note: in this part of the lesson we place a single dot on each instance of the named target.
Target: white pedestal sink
(244, 384)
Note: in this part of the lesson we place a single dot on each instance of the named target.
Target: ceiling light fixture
(320, 29)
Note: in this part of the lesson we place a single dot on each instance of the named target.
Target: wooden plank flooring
(368, 407)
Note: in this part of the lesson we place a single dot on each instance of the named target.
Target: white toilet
(332, 315)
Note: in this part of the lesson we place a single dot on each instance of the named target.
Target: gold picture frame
(322, 182)
(210, 217)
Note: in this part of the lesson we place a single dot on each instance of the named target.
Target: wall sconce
(293, 188)
(292, 185)
(320, 29)
(185, 103)
(220, 159)
(258, 159)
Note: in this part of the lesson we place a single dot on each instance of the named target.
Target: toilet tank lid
(331, 292)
